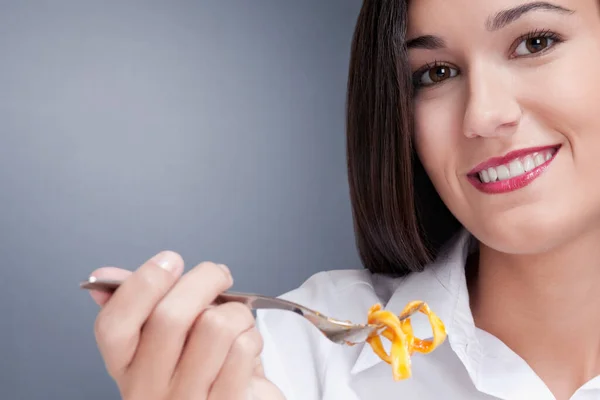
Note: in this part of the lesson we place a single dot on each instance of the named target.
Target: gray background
(212, 128)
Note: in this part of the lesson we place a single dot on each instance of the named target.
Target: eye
(535, 42)
(433, 74)
(533, 45)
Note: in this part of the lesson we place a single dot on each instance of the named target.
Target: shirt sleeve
(295, 353)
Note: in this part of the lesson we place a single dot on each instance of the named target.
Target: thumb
(100, 297)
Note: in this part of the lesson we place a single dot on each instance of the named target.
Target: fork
(340, 332)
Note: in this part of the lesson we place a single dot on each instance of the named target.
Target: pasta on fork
(400, 334)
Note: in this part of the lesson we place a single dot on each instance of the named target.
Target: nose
(492, 109)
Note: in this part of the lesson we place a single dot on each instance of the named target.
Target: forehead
(426, 16)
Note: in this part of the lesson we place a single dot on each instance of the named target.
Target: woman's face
(507, 119)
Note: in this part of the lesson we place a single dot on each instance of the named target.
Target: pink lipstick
(513, 171)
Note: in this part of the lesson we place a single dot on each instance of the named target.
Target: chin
(536, 234)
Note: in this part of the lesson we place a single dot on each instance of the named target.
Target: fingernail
(226, 270)
(168, 260)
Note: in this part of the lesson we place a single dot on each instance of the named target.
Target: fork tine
(407, 313)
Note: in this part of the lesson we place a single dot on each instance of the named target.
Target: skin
(161, 338)
(538, 274)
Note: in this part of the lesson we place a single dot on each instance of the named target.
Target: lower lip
(512, 184)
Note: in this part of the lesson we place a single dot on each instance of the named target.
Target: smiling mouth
(513, 171)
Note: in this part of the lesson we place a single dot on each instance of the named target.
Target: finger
(99, 296)
(259, 370)
(119, 322)
(207, 347)
(233, 381)
(164, 334)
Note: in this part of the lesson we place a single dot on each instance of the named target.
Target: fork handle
(256, 301)
(253, 301)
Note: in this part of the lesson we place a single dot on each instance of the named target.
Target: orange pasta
(400, 333)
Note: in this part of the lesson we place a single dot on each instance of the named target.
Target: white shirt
(470, 364)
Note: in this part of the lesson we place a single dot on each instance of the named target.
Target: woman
(473, 141)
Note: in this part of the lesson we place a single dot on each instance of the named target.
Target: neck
(544, 307)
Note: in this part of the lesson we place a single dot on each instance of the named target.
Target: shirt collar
(442, 285)
(489, 363)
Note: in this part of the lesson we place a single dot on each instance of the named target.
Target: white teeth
(503, 172)
(515, 167)
(484, 176)
(528, 163)
(539, 159)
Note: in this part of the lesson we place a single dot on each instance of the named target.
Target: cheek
(438, 124)
(565, 99)
(566, 93)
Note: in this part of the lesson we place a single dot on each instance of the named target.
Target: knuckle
(215, 320)
(153, 280)
(228, 320)
(220, 272)
(249, 344)
(168, 317)
(241, 313)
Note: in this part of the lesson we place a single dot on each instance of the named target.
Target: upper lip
(505, 159)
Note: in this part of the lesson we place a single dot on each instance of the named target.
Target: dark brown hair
(400, 221)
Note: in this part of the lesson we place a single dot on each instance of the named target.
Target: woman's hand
(162, 340)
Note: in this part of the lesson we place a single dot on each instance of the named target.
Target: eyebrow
(505, 17)
(494, 23)
(429, 42)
